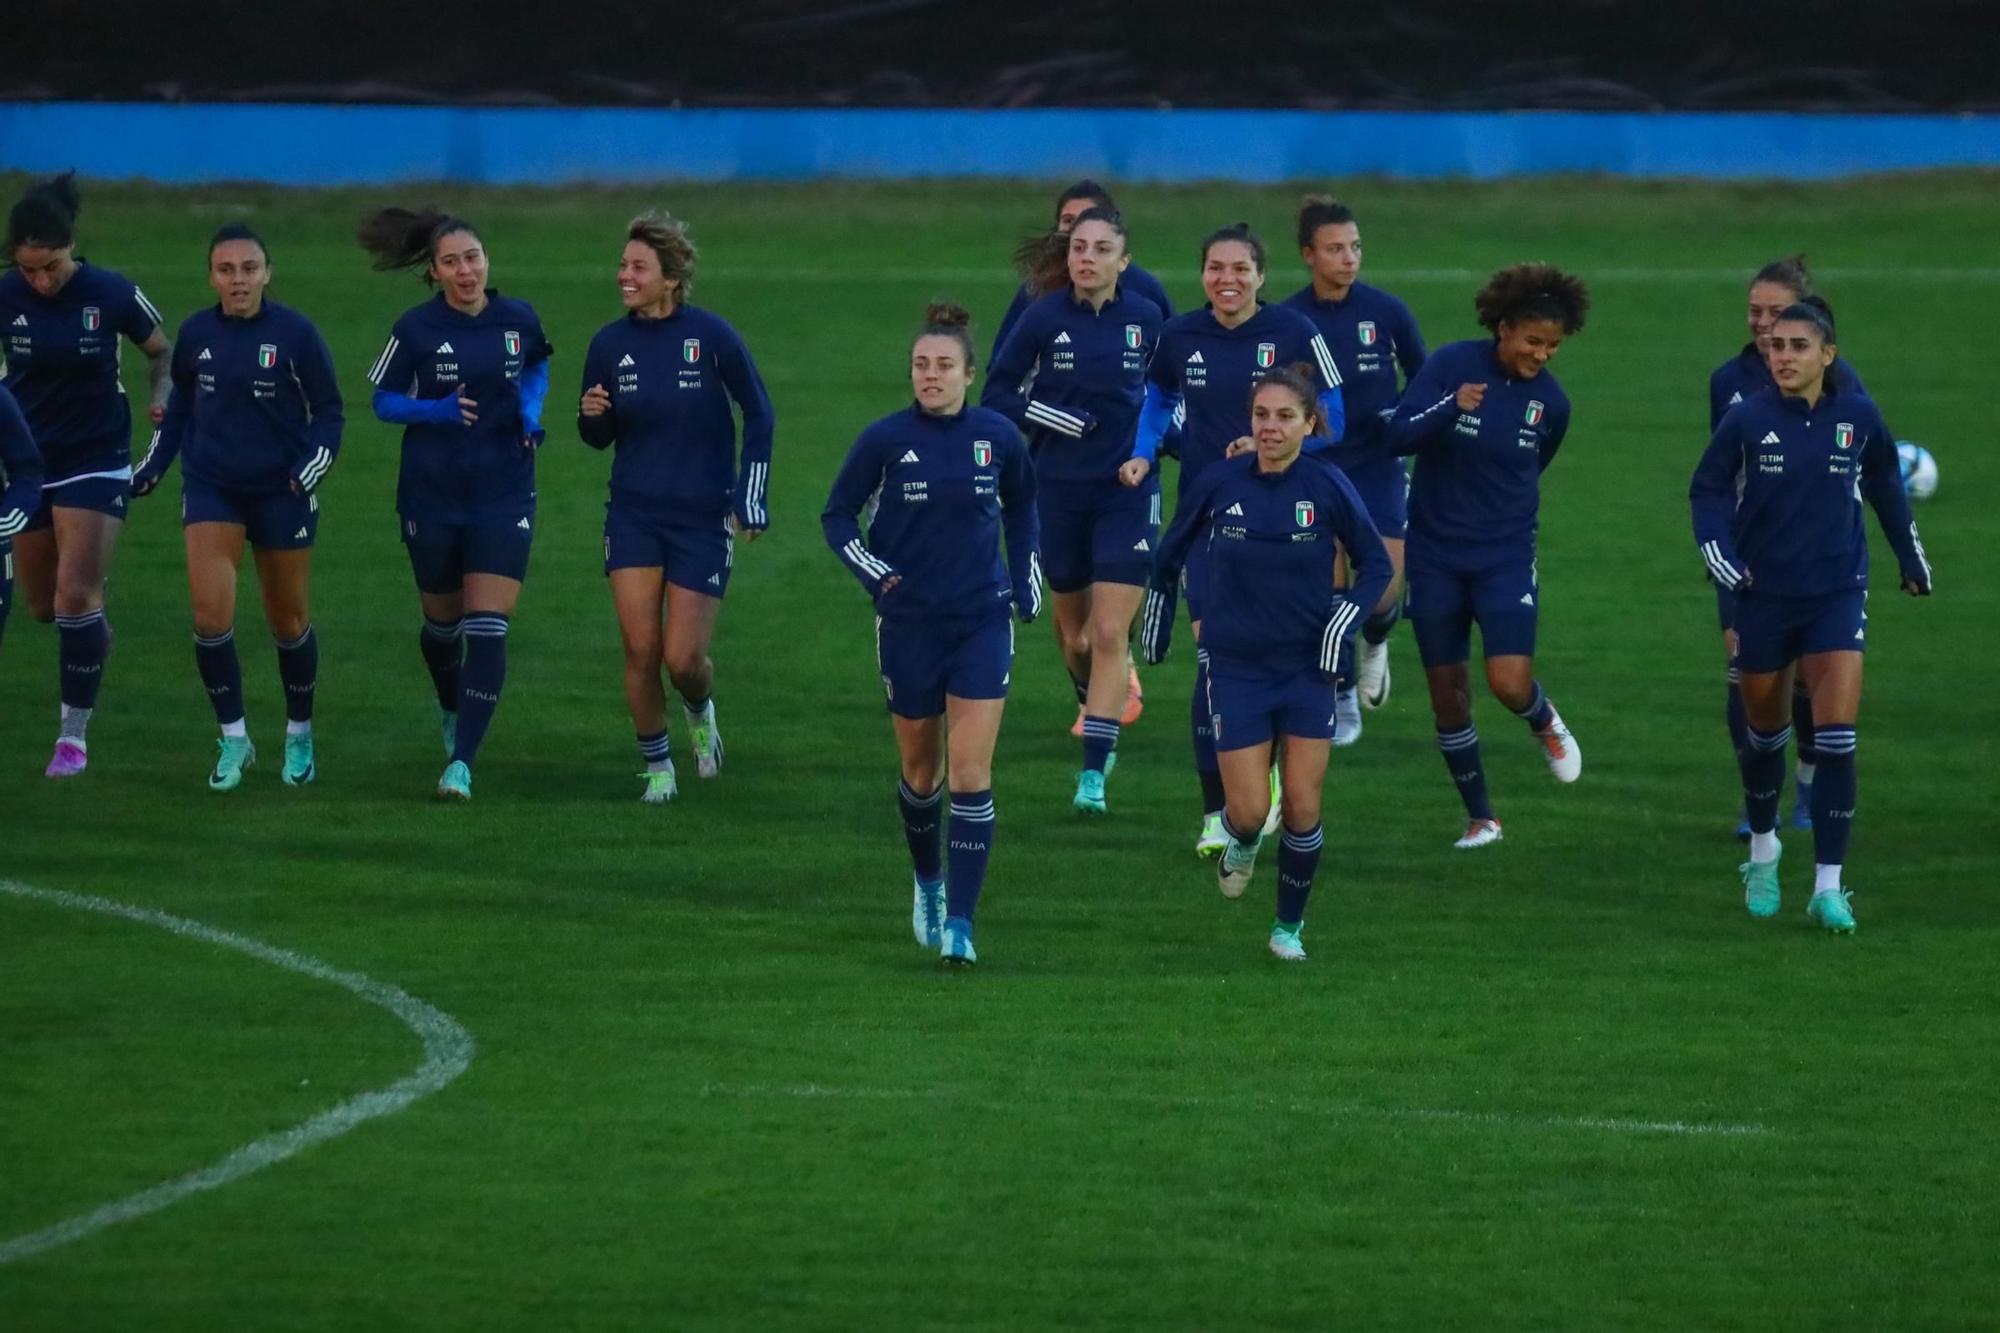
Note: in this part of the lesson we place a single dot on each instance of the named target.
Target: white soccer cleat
(1560, 748)
(1372, 673)
(1212, 839)
(1479, 833)
(707, 740)
(660, 786)
(1234, 870)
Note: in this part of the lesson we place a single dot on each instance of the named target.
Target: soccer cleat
(1212, 839)
(955, 943)
(299, 769)
(1760, 887)
(233, 754)
(1135, 697)
(660, 786)
(456, 784)
(1831, 909)
(448, 724)
(1372, 673)
(1478, 833)
(1076, 727)
(1560, 748)
(1277, 810)
(1089, 798)
(1346, 717)
(1802, 806)
(1285, 944)
(707, 740)
(68, 760)
(927, 914)
(1238, 864)
(1742, 824)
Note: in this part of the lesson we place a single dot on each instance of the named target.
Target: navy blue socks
(480, 679)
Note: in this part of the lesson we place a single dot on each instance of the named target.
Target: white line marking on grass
(448, 1049)
(1333, 1110)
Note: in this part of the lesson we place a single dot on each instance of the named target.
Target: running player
(1072, 375)
(946, 481)
(1371, 334)
(1484, 418)
(1773, 288)
(658, 384)
(1275, 524)
(1777, 516)
(63, 317)
(20, 491)
(1205, 364)
(465, 374)
(255, 418)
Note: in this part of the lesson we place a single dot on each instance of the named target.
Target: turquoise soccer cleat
(233, 754)
(1285, 944)
(927, 914)
(1238, 864)
(1089, 798)
(1832, 911)
(299, 768)
(1760, 887)
(456, 784)
(956, 946)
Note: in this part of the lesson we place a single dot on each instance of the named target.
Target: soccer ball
(1920, 470)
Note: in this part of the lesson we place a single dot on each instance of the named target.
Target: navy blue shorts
(1773, 631)
(1442, 604)
(1098, 532)
(1249, 708)
(272, 520)
(690, 556)
(442, 554)
(104, 495)
(1384, 489)
(1194, 578)
(924, 660)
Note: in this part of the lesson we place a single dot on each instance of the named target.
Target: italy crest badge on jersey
(1134, 336)
(1843, 435)
(1267, 355)
(691, 350)
(1533, 416)
(1366, 330)
(982, 452)
(267, 355)
(513, 341)
(1303, 512)
(93, 318)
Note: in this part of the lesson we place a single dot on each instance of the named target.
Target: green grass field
(1564, 1083)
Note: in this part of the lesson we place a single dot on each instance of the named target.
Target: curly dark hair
(45, 216)
(1532, 291)
(1320, 210)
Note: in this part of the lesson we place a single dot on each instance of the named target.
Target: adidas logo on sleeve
(204, 355)
(1060, 338)
(1142, 545)
(525, 526)
(625, 361)
(20, 321)
(1194, 359)
(1234, 511)
(909, 456)
(1770, 437)
(444, 349)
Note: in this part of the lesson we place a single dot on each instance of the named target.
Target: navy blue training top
(1072, 378)
(671, 382)
(1747, 374)
(1371, 334)
(1134, 279)
(20, 469)
(62, 365)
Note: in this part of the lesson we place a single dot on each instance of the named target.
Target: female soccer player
(658, 384)
(20, 491)
(465, 374)
(1773, 288)
(1777, 516)
(255, 417)
(946, 481)
(1072, 374)
(1484, 418)
(1371, 334)
(1274, 524)
(63, 317)
(1206, 362)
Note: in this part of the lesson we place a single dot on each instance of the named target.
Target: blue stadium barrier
(356, 145)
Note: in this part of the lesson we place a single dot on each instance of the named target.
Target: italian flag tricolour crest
(1366, 328)
(1134, 335)
(691, 350)
(267, 355)
(1533, 416)
(93, 318)
(1267, 355)
(1303, 512)
(1843, 435)
(513, 341)
(982, 452)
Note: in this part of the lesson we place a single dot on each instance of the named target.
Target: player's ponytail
(948, 319)
(45, 216)
(1790, 273)
(1532, 291)
(1042, 260)
(405, 239)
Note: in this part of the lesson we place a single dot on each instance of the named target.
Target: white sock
(1764, 846)
(75, 721)
(235, 729)
(1825, 878)
(1806, 772)
(304, 728)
